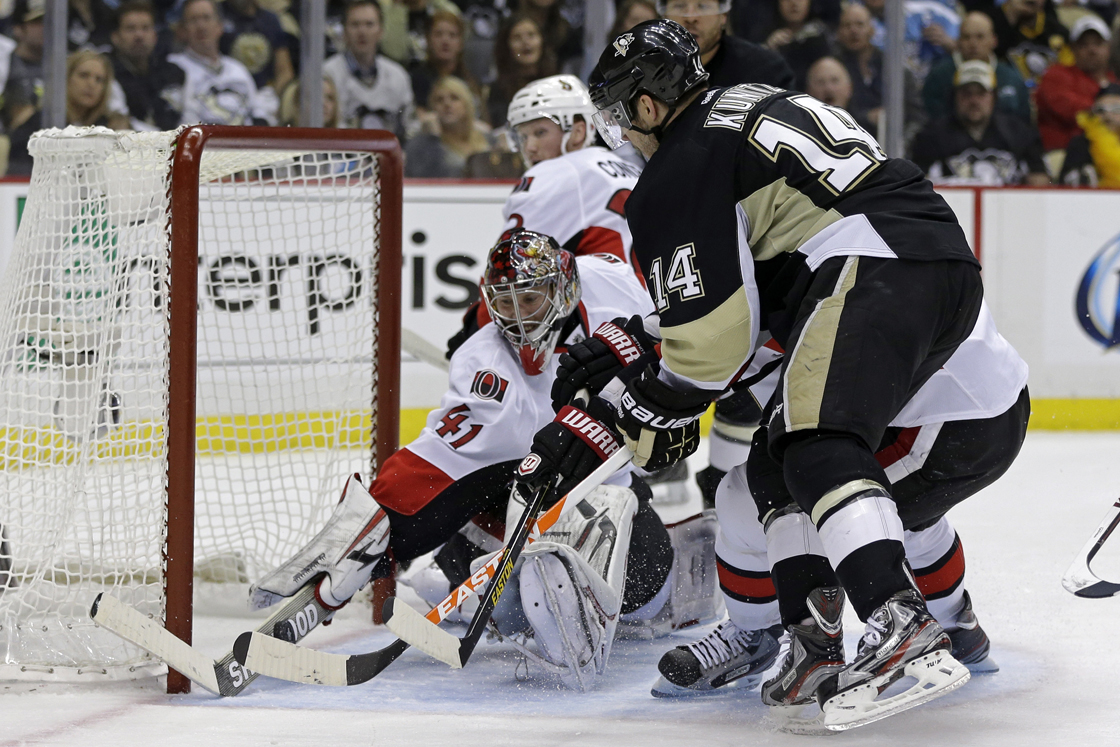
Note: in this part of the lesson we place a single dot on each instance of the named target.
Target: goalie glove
(569, 449)
(660, 425)
(593, 362)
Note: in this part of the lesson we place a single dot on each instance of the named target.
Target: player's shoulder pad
(484, 365)
(605, 279)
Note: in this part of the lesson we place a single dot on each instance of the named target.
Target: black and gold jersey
(748, 180)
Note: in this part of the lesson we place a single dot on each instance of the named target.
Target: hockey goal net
(200, 341)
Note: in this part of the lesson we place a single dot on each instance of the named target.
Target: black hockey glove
(660, 425)
(569, 449)
(593, 362)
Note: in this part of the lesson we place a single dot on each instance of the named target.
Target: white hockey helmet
(533, 266)
(558, 98)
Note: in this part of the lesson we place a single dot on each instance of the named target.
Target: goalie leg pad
(573, 613)
(572, 582)
(346, 550)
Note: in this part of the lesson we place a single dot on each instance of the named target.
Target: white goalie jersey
(579, 200)
(492, 408)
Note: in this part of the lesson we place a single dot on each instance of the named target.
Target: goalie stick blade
(420, 632)
(149, 635)
(287, 661)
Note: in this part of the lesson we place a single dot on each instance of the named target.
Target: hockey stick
(286, 661)
(1079, 578)
(423, 350)
(225, 676)
(415, 628)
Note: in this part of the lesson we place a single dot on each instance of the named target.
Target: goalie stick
(1079, 579)
(286, 661)
(225, 676)
(423, 350)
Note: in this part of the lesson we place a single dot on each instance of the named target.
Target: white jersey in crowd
(221, 92)
(577, 199)
(381, 100)
(492, 408)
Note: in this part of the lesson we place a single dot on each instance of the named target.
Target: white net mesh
(285, 383)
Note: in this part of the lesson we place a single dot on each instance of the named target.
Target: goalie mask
(559, 99)
(530, 287)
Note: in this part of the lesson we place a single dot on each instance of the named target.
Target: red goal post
(185, 169)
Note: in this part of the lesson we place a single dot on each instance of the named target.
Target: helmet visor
(610, 121)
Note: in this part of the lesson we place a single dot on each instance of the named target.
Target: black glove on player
(593, 362)
(569, 449)
(660, 425)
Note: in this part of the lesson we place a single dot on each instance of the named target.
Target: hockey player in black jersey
(764, 213)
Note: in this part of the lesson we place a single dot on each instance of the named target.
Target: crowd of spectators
(1011, 92)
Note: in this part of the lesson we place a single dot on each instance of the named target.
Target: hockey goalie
(610, 561)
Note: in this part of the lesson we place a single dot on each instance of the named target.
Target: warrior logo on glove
(529, 465)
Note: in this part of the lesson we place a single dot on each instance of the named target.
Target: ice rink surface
(1058, 684)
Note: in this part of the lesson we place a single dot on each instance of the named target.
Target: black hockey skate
(726, 655)
(816, 653)
(970, 642)
(901, 640)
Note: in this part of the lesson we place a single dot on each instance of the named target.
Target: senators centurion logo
(489, 385)
(622, 44)
(1098, 297)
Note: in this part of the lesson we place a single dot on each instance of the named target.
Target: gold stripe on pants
(807, 369)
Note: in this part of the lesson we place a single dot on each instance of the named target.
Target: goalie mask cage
(200, 337)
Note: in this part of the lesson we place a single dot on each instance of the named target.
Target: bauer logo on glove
(652, 419)
(659, 424)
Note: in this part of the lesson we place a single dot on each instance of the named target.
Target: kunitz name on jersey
(730, 109)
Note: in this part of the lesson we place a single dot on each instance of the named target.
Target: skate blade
(806, 719)
(937, 673)
(663, 688)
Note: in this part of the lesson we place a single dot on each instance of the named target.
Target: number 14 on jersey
(682, 277)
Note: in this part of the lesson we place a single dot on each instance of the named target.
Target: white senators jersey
(492, 408)
(577, 199)
(982, 379)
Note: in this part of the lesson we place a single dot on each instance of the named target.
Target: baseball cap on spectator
(26, 11)
(1090, 22)
(975, 71)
